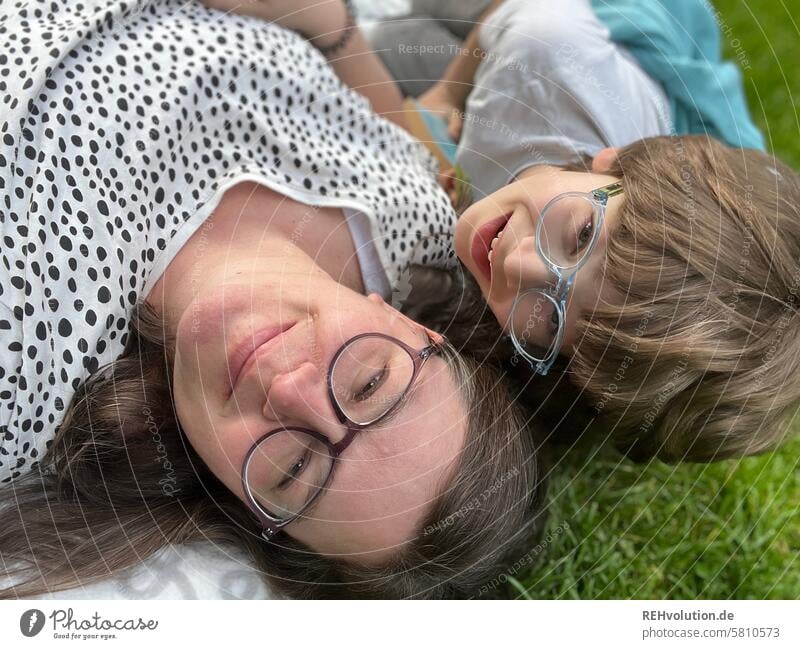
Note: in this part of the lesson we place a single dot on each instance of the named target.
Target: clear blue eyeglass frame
(563, 277)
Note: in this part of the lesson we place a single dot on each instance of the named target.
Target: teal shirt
(678, 44)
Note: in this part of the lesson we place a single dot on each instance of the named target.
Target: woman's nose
(299, 397)
(524, 268)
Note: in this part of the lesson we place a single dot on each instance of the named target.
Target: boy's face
(507, 264)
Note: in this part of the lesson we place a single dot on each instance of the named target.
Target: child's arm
(323, 23)
(449, 94)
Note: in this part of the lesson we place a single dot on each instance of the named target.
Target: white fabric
(371, 12)
(372, 272)
(197, 570)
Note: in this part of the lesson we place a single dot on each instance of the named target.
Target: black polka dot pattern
(120, 122)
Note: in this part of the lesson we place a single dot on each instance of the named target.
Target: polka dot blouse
(122, 123)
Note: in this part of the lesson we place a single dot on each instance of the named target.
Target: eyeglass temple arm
(609, 191)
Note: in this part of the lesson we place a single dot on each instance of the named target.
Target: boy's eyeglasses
(567, 232)
(288, 468)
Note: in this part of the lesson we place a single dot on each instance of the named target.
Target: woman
(213, 173)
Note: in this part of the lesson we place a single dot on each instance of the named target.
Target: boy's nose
(524, 268)
(299, 397)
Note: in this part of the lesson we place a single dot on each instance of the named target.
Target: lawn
(725, 530)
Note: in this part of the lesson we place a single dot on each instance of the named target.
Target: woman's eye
(296, 470)
(585, 236)
(371, 385)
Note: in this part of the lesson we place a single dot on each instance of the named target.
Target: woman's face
(495, 240)
(386, 479)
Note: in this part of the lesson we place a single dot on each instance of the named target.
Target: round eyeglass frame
(271, 524)
(564, 276)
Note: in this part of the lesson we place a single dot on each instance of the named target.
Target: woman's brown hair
(102, 498)
(702, 359)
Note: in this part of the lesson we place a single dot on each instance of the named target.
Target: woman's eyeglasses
(287, 469)
(567, 232)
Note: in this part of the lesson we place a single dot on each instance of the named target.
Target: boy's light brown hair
(702, 360)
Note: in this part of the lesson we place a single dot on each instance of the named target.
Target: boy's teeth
(498, 236)
(493, 243)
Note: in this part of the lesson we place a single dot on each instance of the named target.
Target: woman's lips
(242, 357)
(482, 240)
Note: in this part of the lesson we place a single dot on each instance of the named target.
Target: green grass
(718, 531)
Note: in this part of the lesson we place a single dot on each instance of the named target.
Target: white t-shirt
(124, 123)
(552, 86)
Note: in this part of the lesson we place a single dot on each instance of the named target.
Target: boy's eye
(554, 320)
(585, 236)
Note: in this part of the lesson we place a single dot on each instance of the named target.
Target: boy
(679, 327)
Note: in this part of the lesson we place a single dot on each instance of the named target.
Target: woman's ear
(602, 162)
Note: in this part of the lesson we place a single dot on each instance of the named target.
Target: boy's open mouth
(484, 241)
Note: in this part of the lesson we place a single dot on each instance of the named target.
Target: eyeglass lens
(564, 236)
(566, 230)
(369, 377)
